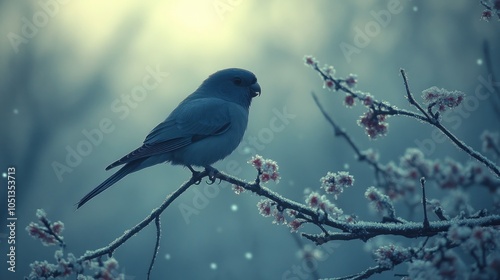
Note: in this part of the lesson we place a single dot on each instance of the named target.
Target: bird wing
(191, 121)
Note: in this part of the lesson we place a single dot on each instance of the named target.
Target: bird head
(233, 85)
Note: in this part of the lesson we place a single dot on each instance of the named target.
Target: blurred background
(73, 100)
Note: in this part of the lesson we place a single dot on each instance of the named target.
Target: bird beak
(255, 89)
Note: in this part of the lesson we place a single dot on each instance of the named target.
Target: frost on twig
(400, 182)
(374, 119)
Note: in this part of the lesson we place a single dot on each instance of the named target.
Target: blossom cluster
(268, 208)
(380, 202)
(374, 124)
(317, 201)
(268, 169)
(65, 267)
(47, 232)
(491, 7)
(400, 180)
(442, 261)
(334, 183)
(391, 255)
(442, 98)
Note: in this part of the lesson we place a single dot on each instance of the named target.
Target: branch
(379, 107)
(157, 245)
(424, 203)
(412, 100)
(383, 108)
(364, 274)
(361, 230)
(108, 250)
(340, 132)
(366, 230)
(461, 145)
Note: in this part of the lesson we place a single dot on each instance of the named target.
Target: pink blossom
(265, 207)
(374, 125)
(391, 255)
(349, 101)
(309, 60)
(442, 98)
(351, 80)
(38, 232)
(238, 189)
(486, 15)
(334, 183)
(256, 161)
(268, 169)
(295, 224)
(367, 100)
(329, 84)
(314, 200)
(380, 202)
(279, 218)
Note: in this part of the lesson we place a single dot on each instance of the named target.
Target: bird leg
(195, 173)
(211, 174)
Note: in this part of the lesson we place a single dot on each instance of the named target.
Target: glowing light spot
(479, 61)
(4, 175)
(168, 257)
(248, 256)
(213, 266)
(234, 207)
(415, 8)
(15, 111)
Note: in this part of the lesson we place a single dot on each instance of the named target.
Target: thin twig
(49, 230)
(424, 203)
(478, 156)
(410, 97)
(157, 245)
(379, 107)
(364, 274)
(340, 132)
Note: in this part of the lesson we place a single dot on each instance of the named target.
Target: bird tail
(118, 175)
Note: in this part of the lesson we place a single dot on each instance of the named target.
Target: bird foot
(211, 174)
(195, 174)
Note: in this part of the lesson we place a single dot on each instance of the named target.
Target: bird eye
(237, 81)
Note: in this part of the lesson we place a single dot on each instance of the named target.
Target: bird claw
(211, 175)
(210, 181)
